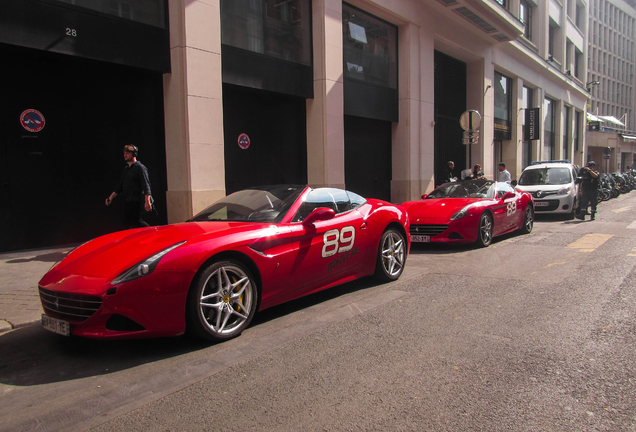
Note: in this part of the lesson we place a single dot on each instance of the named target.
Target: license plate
(541, 204)
(56, 325)
(421, 238)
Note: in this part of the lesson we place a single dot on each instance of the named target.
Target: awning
(629, 137)
(592, 117)
(612, 119)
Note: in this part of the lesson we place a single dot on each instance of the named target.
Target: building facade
(611, 66)
(363, 94)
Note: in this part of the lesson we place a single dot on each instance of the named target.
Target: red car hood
(110, 255)
(436, 211)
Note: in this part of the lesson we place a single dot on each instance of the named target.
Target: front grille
(552, 205)
(74, 307)
(429, 230)
(541, 194)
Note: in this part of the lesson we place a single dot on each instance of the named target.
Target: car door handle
(363, 226)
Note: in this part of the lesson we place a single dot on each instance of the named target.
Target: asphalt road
(534, 333)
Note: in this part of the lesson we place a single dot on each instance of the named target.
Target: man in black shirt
(589, 191)
(448, 175)
(134, 187)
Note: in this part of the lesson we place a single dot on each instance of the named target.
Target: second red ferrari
(473, 211)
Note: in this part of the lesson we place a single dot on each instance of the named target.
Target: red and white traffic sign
(32, 120)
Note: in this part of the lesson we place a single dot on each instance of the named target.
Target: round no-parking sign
(32, 120)
(243, 141)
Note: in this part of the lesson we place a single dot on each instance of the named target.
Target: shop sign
(502, 129)
(531, 129)
(32, 120)
(243, 141)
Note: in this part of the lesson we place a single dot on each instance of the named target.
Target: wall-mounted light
(550, 58)
(589, 85)
(568, 72)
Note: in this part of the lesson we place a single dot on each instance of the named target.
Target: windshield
(259, 204)
(466, 189)
(545, 176)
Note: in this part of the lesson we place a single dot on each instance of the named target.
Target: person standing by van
(589, 188)
(134, 187)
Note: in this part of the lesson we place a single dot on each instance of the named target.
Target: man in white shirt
(504, 174)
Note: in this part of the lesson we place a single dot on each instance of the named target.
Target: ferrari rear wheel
(222, 301)
(391, 255)
(484, 233)
(528, 221)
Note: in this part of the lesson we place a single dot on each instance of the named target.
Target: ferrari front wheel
(391, 255)
(222, 301)
(484, 232)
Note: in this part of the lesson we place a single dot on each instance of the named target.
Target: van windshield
(545, 176)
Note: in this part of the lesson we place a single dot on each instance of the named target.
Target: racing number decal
(335, 241)
(512, 208)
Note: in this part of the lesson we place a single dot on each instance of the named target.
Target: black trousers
(132, 215)
(589, 198)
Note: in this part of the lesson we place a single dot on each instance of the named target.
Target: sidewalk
(20, 273)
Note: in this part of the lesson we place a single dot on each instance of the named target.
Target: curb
(6, 326)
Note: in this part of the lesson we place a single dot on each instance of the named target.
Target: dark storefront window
(370, 48)
(526, 102)
(575, 132)
(152, 12)
(275, 28)
(548, 129)
(566, 133)
(503, 102)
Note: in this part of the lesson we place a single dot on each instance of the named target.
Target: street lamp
(589, 85)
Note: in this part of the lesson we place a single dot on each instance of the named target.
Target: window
(525, 16)
(503, 102)
(566, 132)
(527, 98)
(151, 12)
(279, 29)
(575, 132)
(370, 48)
(548, 129)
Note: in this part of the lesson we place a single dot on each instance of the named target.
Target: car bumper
(152, 306)
(554, 204)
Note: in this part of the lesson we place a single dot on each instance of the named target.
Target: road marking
(632, 225)
(633, 252)
(621, 210)
(589, 242)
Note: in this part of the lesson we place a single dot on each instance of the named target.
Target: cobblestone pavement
(19, 276)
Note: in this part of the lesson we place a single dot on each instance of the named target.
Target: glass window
(566, 132)
(338, 200)
(370, 48)
(526, 102)
(152, 12)
(275, 28)
(548, 129)
(525, 16)
(575, 132)
(503, 100)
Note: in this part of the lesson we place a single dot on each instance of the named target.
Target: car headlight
(460, 214)
(565, 190)
(143, 268)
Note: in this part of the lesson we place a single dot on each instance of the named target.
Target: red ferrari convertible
(472, 211)
(249, 251)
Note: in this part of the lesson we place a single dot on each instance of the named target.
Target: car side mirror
(508, 195)
(424, 196)
(319, 214)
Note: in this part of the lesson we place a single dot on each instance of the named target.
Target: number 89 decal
(338, 241)
(512, 208)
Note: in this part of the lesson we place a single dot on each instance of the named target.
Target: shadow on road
(33, 356)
